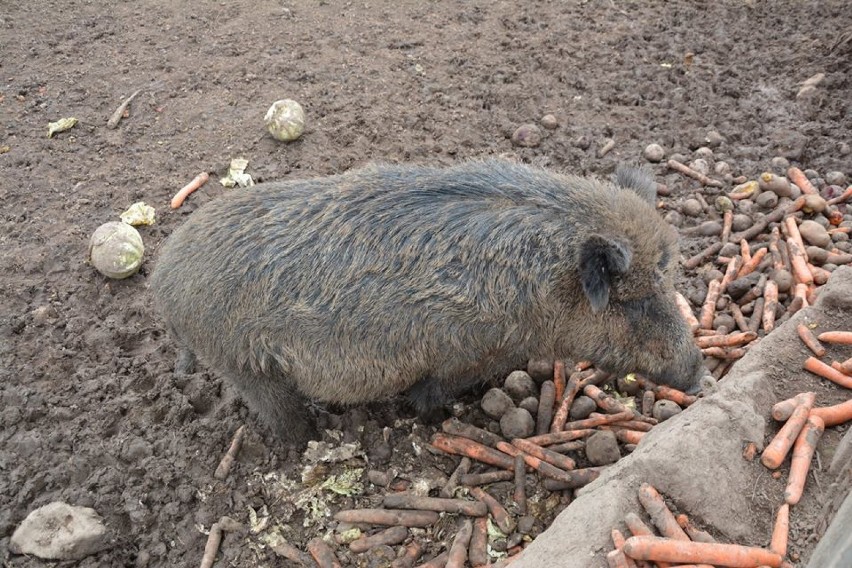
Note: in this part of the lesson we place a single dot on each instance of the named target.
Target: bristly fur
(355, 287)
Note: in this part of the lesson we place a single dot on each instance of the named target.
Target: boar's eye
(601, 261)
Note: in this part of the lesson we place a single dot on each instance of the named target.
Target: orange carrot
(559, 379)
(560, 461)
(474, 450)
(846, 367)
(731, 271)
(322, 553)
(458, 549)
(606, 402)
(674, 395)
(181, 195)
(820, 275)
(810, 340)
(727, 223)
(582, 365)
(477, 553)
(561, 414)
(629, 436)
(559, 437)
(791, 228)
(599, 420)
(770, 294)
(708, 310)
(742, 324)
(750, 451)
(660, 514)
(546, 400)
(499, 513)
(750, 266)
(839, 337)
(784, 409)
(799, 263)
(801, 293)
(730, 340)
(389, 536)
(617, 559)
(777, 449)
(670, 550)
(803, 451)
(520, 494)
(722, 353)
(545, 468)
(745, 252)
(781, 530)
(798, 177)
(834, 415)
(817, 367)
(694, 532)
(618, 541)
(840, 198)
(389, 517)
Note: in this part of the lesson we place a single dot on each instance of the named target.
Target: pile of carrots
(778, 247)
(684, 544)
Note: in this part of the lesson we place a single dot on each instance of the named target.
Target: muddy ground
(90, 411)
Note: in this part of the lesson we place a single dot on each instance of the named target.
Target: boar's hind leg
(279, 406)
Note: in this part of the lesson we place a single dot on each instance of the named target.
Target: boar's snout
(686, 374)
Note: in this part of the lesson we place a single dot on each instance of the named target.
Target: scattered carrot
(840, 198)
(708, 309)
(701, 257)
(296, 556)
(227, 462)
(755, 292)
(722, 353)
(660, 514)
(810, 340)
(777, 449)
(546, 400)
(750, 266)
(456, 427)
(838, 337)
(545, 468)
(820, 275)
(701, 178)
(670, 550)
(674, 395)
(404, 500)
(559, 380)
(211, 548)
(389, 537)
(730, 340)
(817, 367)
(184, 192)
(560, 461)
(803, 451)
(599, 420)
(604, 401)
(781, 530)
(727, 223)
(485, 478)
(846, 367)
(322, 553)
(449, 487)
(686, 311)
(834, 415)
(784, 409)
(520, 494)
(412, 552)
(731, 271)
(798, 177)
(750, 451)
(770, 294)
(799, 263)
(477, 552)
(473, 450)
(566, 447)
(560, 437)
(598, 377)
(457, 555)
(389, 517)
(561, 414)
(499, 513)
(692, 531)
(577, 478)
(628, 425)
(629, 436)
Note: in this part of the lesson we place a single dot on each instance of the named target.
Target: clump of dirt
(91, 413)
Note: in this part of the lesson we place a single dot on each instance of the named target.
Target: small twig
(119, 112)
(686, 170)
(228, 460)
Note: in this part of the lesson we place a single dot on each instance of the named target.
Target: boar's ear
(601, 259)
(637, 179)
